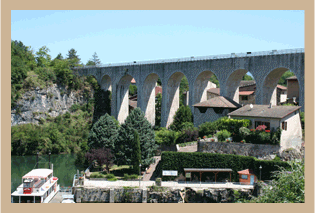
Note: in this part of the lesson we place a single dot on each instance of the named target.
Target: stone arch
(232, 84)
(148, 97)
(122, 98)
(172, 96)
(201, 85)
(106, 83)
(269, 86)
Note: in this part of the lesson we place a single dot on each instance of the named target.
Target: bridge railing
(198, 58)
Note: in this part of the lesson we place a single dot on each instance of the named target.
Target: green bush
(166, 137)
(180, 160)
(187, 135)
(223, 135)
(207, 128)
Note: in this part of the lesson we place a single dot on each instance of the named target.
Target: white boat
(38, 186)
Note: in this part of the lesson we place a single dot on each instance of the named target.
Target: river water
(63, 166)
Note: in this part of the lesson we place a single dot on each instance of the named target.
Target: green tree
(95, 59)
(124, 148)
(43, 59)
(136, 158)
(90, 63)
(22, 60)
(158, 108)
(282, 80)
(73, 58)
(215, 80)
(247, 78)
(182, 115)
(103, 133)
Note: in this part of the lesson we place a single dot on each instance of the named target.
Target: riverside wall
(157, 195)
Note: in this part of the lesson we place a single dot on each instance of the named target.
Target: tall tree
(73, 58)
(182, 115)
(124, 149)
(103, 133)
(136, 158)
(43, 59)
(158, 108)
(95, 59)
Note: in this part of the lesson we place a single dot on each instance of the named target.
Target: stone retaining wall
(261, 151)
(156, 195)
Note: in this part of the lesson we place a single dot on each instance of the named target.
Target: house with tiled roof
(213, 109)
(285, 117)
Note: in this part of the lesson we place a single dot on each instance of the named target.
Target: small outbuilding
(247, 176)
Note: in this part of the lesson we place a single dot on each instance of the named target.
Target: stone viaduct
(266, 67)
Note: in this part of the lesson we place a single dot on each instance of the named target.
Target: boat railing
(65, 189)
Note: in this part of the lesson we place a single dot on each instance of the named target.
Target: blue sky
(125, 36)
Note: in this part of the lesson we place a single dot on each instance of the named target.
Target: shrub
(188, 135)
(207, 128)
(223, 135)
(261, 128)
(166, 137)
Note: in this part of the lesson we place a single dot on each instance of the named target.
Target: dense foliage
(136, 155)
(283, 78)
(158, 109)
(124, 148)
(223, 123)
(180, 160)
(182, 115)
(166, 137)
(103, 133)
(66, 133)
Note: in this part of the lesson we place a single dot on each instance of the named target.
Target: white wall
(292, 137)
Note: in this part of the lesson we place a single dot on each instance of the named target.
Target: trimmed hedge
(180, 160)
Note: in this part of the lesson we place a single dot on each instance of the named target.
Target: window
(244, 98)
(258, 123)
(244, 177)
(284, 125)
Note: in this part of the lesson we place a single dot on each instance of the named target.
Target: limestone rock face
(40, 103)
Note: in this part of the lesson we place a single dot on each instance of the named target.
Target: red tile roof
(158, 89)
(246, 92)
(246, 172)
(219, 101)
(281, 87)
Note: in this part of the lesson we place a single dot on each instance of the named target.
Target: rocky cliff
(41, 103)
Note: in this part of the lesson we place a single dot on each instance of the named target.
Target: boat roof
(38, 173)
